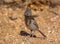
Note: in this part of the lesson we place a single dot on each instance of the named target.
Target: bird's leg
(32, 33)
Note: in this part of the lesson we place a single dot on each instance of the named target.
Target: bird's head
(28, 12)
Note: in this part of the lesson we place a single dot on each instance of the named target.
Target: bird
(30, 22)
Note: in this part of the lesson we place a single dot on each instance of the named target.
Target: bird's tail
(42, 33)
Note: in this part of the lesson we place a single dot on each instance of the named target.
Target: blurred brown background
(12, 21)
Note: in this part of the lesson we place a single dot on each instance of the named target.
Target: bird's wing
(35, 24)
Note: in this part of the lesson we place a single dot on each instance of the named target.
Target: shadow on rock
(23, 33)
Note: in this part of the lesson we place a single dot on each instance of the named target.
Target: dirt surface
(12, 23)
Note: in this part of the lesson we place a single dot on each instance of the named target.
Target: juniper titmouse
(30, 21)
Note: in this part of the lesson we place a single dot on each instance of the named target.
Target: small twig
(53, 11)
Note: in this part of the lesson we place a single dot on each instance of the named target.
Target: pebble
(54, 18)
